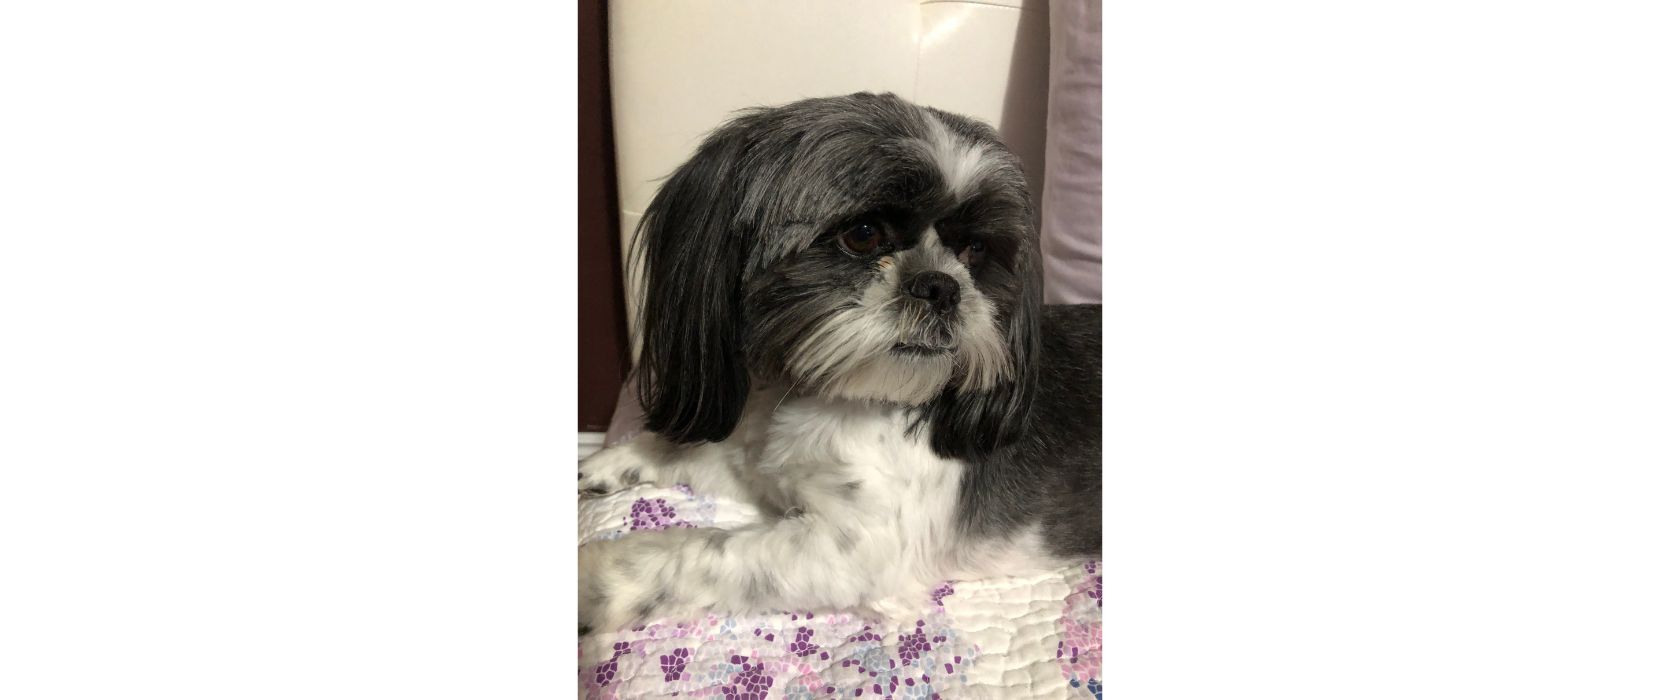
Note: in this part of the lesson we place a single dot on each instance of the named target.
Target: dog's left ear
(971, 425)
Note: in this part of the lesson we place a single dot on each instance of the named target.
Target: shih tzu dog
(843, 324)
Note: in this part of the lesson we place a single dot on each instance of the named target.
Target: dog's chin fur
(894, 378)
(892, 394)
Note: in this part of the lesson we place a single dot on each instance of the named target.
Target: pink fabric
(1072, 230)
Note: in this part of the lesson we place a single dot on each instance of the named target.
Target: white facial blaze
(961, 162)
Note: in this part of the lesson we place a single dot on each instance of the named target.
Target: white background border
(1393, 327)
(286, 394)
(288, 391)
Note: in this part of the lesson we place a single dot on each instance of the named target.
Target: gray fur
(755, 280)
(844, 540)
(766, 195)
(645, 609)
(760, 585)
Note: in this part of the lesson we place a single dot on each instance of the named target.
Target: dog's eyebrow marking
(962, 163)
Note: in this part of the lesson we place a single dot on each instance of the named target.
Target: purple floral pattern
(737, 664)
(674, 663)
(802, 645)
(943, 590)
(653, 514)
(1080, 648)
(807, 655)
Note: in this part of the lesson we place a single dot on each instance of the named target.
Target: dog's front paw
(615, 590)
(612, 469)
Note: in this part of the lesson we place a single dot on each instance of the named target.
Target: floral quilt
(1034, 637)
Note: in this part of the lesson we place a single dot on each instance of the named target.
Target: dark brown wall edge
(603, 342)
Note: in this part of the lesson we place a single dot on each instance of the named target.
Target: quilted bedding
(1032, 637)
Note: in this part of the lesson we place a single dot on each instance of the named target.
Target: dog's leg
(710, 468)
(802, 563)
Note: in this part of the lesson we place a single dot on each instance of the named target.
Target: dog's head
(852, 247)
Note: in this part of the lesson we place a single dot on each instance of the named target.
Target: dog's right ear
(690, 249)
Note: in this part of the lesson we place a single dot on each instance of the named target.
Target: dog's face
(854, 247)
(890, 262)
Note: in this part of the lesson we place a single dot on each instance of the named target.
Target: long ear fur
(691, 251)
(975, 424)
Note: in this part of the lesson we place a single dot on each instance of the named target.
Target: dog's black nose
(939, 289)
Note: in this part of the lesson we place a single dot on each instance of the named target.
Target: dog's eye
(977, 246)
(863, 239)
(972, 253)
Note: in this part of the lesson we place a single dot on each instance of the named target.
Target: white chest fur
(858, 466)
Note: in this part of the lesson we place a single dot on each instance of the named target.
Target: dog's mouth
(921, 350)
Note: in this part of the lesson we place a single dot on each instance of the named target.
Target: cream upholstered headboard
(680, 67)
